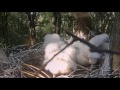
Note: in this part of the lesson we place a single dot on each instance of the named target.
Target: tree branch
(92, 47)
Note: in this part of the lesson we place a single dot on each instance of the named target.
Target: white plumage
(61, 64)
(52, 48)
(71, 51)
(94, 57)
(64, 62)
(85, 57)
(98, 40)
(49, 38)
(82, 53)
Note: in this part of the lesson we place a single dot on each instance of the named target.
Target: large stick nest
(26, 63)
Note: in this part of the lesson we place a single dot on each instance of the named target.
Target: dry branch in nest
(92, 47)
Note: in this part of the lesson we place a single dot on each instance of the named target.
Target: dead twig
(92, 47)
(37, 70)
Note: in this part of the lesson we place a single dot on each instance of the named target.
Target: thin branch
(36, 70)
(83, 67)
(92, 47)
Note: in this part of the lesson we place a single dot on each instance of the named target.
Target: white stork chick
(85, 57)
(94, 57)
(98, 40)
(61, 64)
(104, 46)
(82, 53)
(64, 62)
(52, 44)
(50, 50)
(71, 51)
(55, 46)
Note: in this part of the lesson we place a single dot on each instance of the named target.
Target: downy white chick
(94, 57)
(64, 62)
(98, 40)
(104, 46)
(85, 57)
(52, 48)
(82, 53)
(52, 44)
(71, 51)
(61, 64)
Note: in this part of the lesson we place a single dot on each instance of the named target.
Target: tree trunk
(5, 26)
(116, 41)
(3, 32)
(20, 24)
(31, 17)
(57, 22)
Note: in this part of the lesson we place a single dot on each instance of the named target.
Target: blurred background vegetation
(15, 28)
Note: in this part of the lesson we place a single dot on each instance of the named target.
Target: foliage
(102, 21)
(18, 28)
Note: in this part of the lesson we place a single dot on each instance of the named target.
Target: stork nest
(26, 63)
